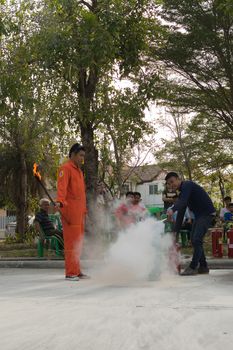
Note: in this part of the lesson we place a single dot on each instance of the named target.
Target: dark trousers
(200, 227)
(59, 235)
(188, 227)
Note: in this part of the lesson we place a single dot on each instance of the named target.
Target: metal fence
(4, 220)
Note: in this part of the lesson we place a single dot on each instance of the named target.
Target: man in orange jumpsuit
(71, 200)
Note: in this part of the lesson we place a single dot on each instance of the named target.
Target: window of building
(126, 188)
(153, 189)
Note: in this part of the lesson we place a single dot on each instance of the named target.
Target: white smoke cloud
(140, 253)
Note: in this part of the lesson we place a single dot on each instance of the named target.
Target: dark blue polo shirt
(196, 198)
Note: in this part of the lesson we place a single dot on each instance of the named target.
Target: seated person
(187, 222)
(227, 201)
(138, 209)
(169, 197)
(46, 224)
(123, 211)
(228, 217)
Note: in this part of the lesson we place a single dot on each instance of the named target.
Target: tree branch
(85, 3)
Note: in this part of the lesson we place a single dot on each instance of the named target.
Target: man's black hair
(129, 193)
(227, 198)
(171, 174)
(137, 194)
(76, 148)
(230, 205)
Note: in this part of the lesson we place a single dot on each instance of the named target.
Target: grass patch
(207, 247)
(14, 250)
(22, 253)
(16, 246)
(22, 250)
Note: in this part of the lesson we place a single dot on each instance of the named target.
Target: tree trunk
(21, 205)
(179, 126)
(91, 159)
(91, 176)
(221, 186)
(118, 166)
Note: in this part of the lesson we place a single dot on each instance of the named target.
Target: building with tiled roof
(148, 180)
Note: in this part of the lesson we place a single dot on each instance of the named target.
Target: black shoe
(203, 270)
(82, 276)
(72, 278)
(189, 272)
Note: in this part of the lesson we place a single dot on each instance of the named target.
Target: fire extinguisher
(217, 246)
(230, 243)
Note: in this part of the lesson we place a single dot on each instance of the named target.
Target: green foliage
(198, 54)
(60, 60)
(82, 43)
(121, 128)
(30, 116)
(13, 239)
(201, 152)
(57, 56)
(87, 44)
(29, 237)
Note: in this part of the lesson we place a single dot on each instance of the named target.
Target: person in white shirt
(227, 201)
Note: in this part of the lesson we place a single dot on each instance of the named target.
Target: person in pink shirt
(123, 212)
(138, 209)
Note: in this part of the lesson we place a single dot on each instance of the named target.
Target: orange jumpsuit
(71, 193)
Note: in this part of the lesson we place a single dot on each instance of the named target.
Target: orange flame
(36, 172)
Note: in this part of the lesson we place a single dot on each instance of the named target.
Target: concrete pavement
(43, 263)
(42, 311)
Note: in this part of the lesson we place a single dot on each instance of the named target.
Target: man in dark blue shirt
(198, 201)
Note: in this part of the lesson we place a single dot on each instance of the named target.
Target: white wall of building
(151, 199)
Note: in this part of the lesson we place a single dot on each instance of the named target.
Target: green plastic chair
(183, 236)
(50, 241)
(56, 219)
